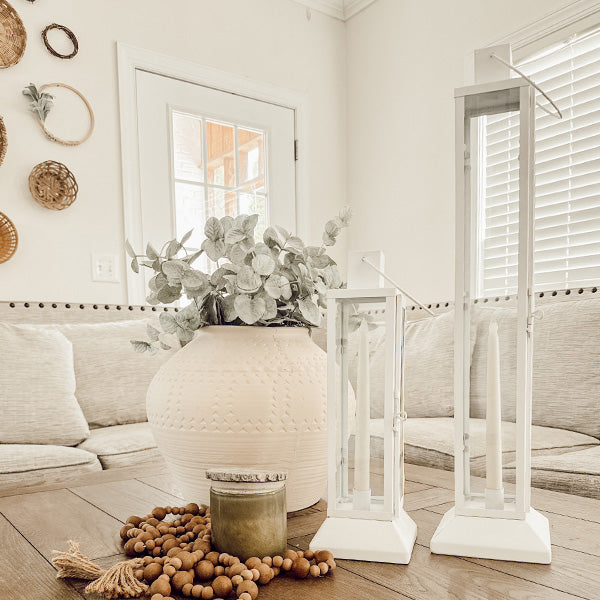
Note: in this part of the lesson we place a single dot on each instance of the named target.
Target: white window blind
(567, 178)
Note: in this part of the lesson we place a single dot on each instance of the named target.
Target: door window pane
(221, 154)
(187, 148)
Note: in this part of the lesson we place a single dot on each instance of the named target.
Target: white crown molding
(339, 9)
(551, 23)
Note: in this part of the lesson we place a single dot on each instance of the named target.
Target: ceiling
(340, 9)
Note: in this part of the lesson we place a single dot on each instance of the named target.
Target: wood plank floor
(33, 522)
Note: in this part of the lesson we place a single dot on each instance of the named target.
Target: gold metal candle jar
(248, 512)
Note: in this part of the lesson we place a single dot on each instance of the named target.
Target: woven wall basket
(13, 37)
(52, 185)
(8, 238)
(3, 141)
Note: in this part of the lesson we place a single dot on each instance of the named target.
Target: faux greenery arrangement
(276, 282)
(40, 103)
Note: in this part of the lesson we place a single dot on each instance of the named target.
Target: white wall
(267, 40)
(404, 59)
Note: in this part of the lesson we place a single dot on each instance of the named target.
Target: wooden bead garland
(176, 556)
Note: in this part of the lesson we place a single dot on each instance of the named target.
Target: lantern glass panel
(491, 191)
(367, 380)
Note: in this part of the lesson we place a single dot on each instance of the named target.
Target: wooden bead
(324, 568)
(170, 570)
(309, 554)
(139, 574)
(168, 509)
(236, 569)
(249, 587)
(322, 555)
(169, 545)
(139, 547)
(204, 570)
(290, 554)
(300, 553)
(255, 574)
(152, 572)
(124, 530)
(163, 529)
(150, 545)
(192, 508)
(186, 590)
(181, 578)
(223, 557)
(147, 560)
(268, 561)
(253, 562)
(175, 561)
(179, 529)
(287, 563)
(135, 521)
(208, 593)
(331, 564)
(198, 555)
(245, 596)
(276, 571)
(314, 571)
(157, 597)
(301, 568)
(157, 551)
(133, 532)
(197, 591)
(246, 574)
(187, 560)
(266, 573)
(213, 557)
(236, 580)
(219, 570)
(277, 561)
(153, 521)
(160, 586)
(222, 586)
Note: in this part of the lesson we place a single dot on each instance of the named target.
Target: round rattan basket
(13, 37)
(8, 238)
(3, 141)
(52, 185)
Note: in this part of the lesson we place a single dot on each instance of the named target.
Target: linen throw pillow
(566, 365)
(37, 388)
(112, 379)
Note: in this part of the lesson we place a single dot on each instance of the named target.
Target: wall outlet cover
(105, 268)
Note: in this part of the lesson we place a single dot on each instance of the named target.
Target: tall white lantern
(365, 350)
(489, 523)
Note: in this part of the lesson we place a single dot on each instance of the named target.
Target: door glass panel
(187, 148)
(221, 154)
(251, 153)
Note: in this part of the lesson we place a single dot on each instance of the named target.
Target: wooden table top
(33, 522)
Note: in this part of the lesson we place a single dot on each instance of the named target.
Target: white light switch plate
(105, 267)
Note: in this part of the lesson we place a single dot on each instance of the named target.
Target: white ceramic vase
(251, 397)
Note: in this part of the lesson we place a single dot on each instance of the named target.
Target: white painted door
(205, 152)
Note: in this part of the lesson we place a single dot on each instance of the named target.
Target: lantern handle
(558, 114)
(411, 298)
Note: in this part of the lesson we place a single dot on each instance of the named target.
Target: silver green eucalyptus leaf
(271, 237)
(135, 267)
(228, 308)
(261, 248)
(332, 277)
(332, 228)
(164, 346)
(309, 310)
(213, 229)
(192, 257)
(173, 248)
(194, 280)
(186, 237)
(227, 223)
(215, 249)
(152, 332)
(151, 253)
(140, 346)
(248, 281)
(235, 234)
(263, 264)
(270, 306)
(129, 249)
(250, 310)
(327, 239)
(237, 254)
(167, 322)
(294, 244)
(174, 270)
(284, 234)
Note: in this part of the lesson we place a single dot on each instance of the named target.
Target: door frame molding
(131, 59)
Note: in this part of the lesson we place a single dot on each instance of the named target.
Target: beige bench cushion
(430, 442)
(29, 464)
(566, 365)
(112, 379)
(37, 388)
(572, 473)
(123, 445)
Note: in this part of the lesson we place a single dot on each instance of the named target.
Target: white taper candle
(493, 421)
(362, 451)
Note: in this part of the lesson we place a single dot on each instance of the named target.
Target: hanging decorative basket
(68, 33)
(8, 238)
(3, 141)
(52, 185)
(13, 37)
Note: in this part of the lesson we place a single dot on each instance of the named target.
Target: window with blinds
(567, 177)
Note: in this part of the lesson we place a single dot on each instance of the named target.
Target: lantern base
(368, 539)
(521, 540)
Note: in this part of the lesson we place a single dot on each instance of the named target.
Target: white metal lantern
(365, 515)
(488, 523)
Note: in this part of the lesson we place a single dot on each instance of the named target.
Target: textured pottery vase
(250, 397)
